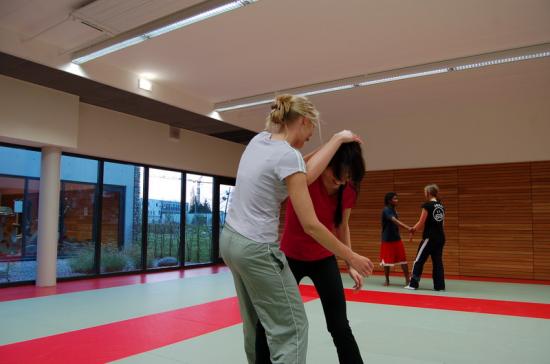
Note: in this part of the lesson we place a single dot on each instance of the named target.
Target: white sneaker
(409, 287)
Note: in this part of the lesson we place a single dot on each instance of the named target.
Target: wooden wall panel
(540, 177)
(497, 217)
(495, 221)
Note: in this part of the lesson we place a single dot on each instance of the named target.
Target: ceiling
(280, 44)
(274, 45)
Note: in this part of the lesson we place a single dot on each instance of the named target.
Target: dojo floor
(192, 317)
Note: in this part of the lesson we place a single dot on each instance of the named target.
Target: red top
(295, 243)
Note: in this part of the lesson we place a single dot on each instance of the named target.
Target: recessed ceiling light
(145, 84)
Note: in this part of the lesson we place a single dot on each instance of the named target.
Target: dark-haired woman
(333, 192)
(432, 218)
(392, 251)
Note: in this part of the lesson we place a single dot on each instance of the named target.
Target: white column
(48, 217)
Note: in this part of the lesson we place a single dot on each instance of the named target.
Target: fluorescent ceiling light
(197, 18)
(247, 103)
(165, 29)
(325, 90)
(110, 49)
(335, 88)
(501, 61)
(242, 106)
(404, 77)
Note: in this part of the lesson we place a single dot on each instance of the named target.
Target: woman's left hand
(347, 136)
(357, 278)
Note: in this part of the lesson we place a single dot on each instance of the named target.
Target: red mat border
(134, 336)
(30, 291)
(476, 305)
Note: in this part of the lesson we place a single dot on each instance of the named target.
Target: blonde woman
(432, 218)
(271, 168)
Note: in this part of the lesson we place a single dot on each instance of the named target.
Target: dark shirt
(390, 230)
(433, 228)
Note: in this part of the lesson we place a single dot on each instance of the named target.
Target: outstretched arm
(398, 222)
(343, 232)
(389, 214)
(308, 156)
(318, 160)
(301, 201)
(421, 221)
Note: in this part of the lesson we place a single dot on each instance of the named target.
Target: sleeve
(426, 205)
(388, 213)
(349, 198)
(291, 162)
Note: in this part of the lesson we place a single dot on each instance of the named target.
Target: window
(19, 188)
(225, 197)
(121, 217)
(78, 217)
(198, 219)
(163, 218)
(101, 216)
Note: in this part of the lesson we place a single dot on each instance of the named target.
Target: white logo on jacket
(439, 212)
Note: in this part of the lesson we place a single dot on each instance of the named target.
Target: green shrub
(84, 262)
(113, 261)
(134, 255)
(4, 250)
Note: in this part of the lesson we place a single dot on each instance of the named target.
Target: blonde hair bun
(287, 108)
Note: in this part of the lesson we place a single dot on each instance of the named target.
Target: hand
(357, 278)
(412, 230)
(361, 264)
(346, 136)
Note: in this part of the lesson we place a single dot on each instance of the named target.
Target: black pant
(434, 248)
(327, 280)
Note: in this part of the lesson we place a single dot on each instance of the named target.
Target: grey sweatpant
(268, 292)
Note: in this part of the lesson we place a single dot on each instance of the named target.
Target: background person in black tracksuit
(432, 219)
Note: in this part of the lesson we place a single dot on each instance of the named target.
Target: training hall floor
(192, 317)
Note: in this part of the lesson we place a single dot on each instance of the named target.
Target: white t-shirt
(260, 189)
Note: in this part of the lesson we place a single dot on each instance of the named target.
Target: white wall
(477, 117)
(115, 135)
(37, 115)
(497, 114)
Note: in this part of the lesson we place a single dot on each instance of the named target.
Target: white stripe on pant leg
(420, 251)
(289, 305)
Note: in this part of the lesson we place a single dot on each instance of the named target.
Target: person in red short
(333, 191)
(392, 251)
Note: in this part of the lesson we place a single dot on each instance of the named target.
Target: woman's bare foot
(386, 283)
